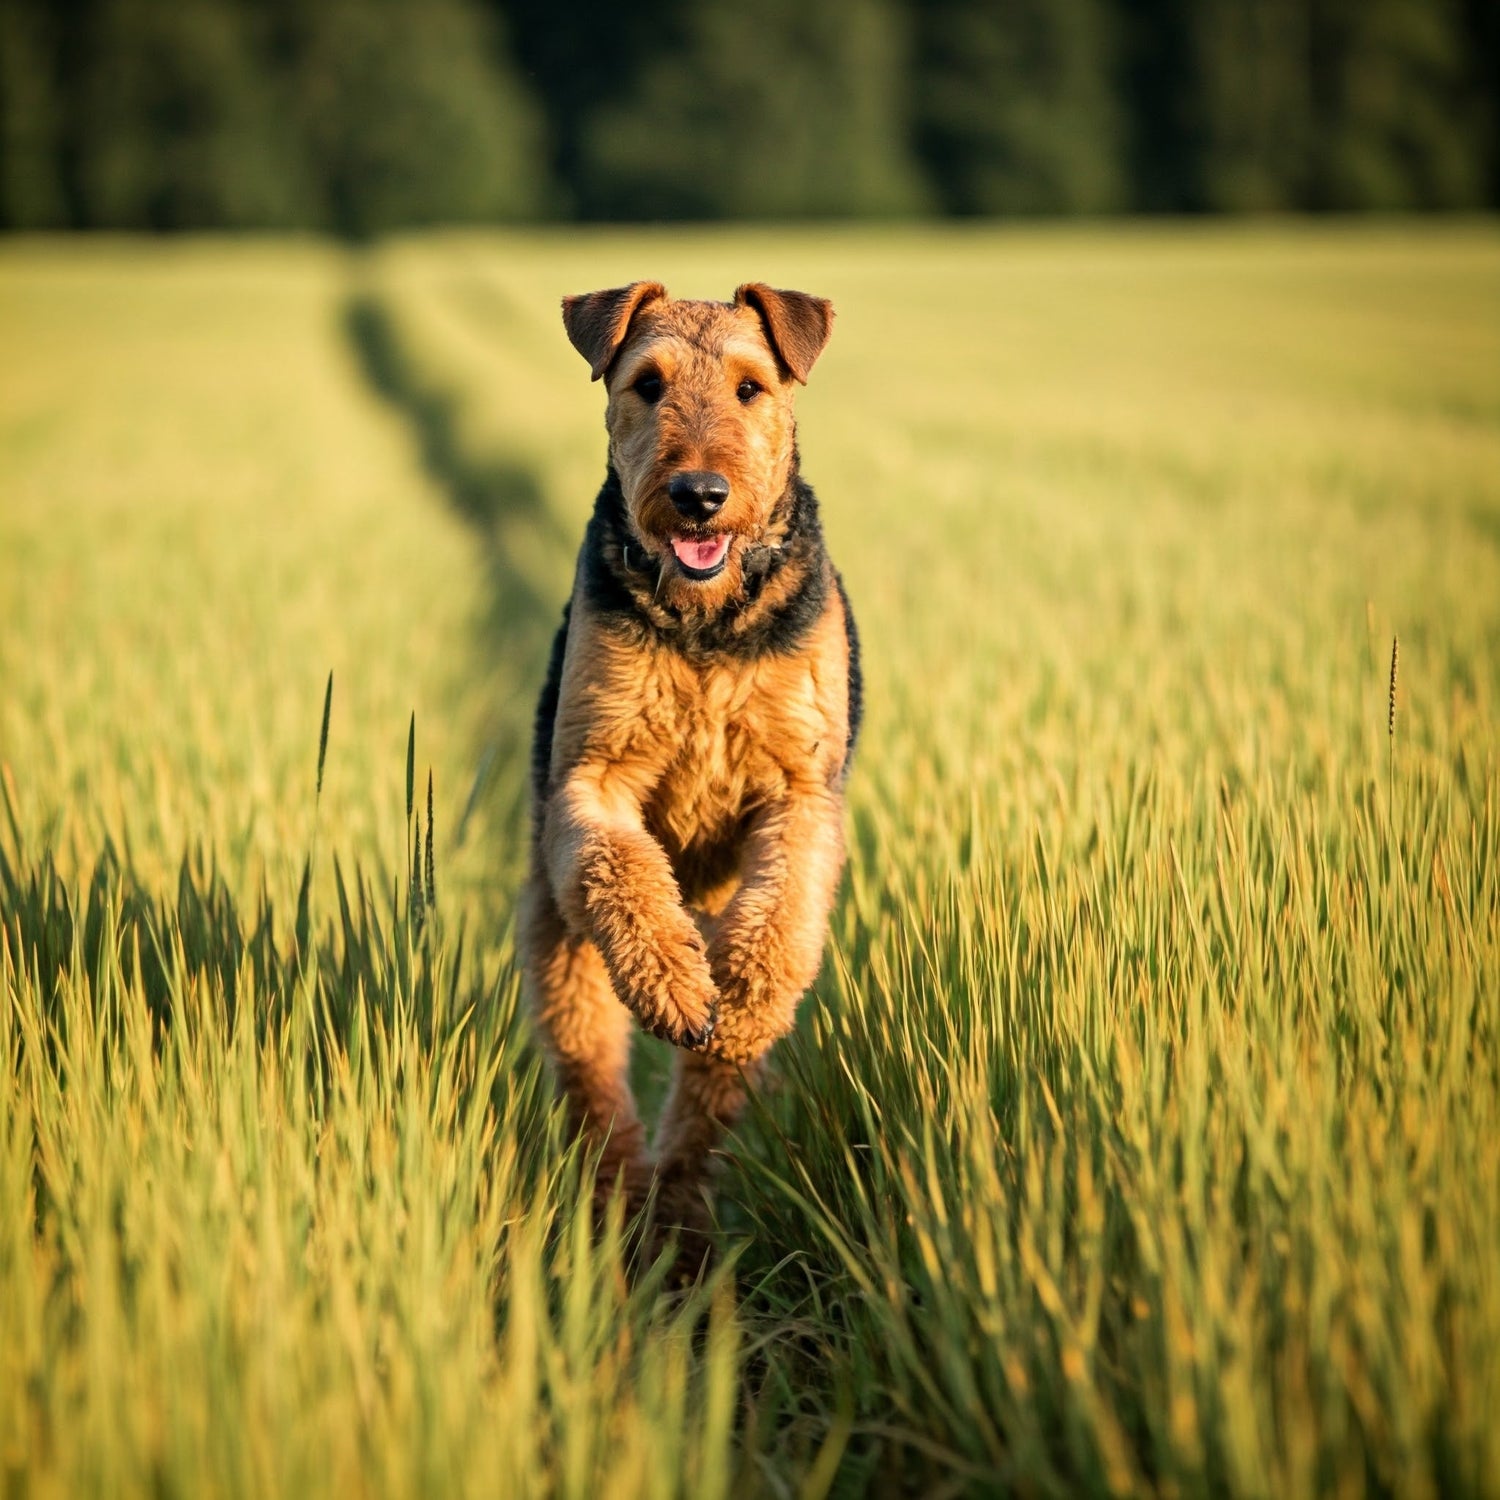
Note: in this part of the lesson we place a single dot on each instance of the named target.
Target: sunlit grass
(1141, 1134)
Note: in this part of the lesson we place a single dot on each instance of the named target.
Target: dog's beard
(699, 566)
(700, 597)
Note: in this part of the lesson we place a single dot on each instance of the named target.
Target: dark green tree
(1396, 121)
(1015, 105)
(367, 115)
(411, 113)
(1240, 105)
(1482, 41)
(783, 110)
(580, 58)
(1254, 103)
(174, 121)
(31, 195)
(1160, 105)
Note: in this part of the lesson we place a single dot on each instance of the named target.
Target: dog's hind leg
(708, 1095)
(587, 1033)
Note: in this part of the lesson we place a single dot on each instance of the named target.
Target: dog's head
(701, 430)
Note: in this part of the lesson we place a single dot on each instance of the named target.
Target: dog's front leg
(613, 884)
(769, 943)
(767, 948)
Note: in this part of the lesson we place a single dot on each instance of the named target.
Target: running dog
(694, 733)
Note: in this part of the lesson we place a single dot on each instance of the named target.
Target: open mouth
(701, 556)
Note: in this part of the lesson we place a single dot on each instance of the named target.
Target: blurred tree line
(364, 115)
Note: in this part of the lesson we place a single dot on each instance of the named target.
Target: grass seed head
(411, 763)
(323, 732)
(1390, 712)
(415, 903)
(431, 872)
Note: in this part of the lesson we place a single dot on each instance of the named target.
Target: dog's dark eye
(648, 387)
(748, 390)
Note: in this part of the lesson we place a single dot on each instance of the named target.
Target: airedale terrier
(694, 732)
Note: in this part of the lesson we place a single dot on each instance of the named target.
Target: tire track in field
(499, 498)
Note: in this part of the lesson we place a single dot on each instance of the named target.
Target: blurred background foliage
(364, 115)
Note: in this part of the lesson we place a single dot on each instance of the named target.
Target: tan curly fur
(688, 829)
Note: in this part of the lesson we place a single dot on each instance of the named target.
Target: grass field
(1142, 1134)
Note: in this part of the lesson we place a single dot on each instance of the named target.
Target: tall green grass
(1140, 1135)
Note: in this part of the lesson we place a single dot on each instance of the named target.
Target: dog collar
(647, 564)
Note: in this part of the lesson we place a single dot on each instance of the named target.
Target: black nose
(697, 493)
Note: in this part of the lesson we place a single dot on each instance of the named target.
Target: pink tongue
(693, 553)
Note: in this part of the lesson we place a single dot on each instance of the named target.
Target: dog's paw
(695, 1039)
(682, 1030)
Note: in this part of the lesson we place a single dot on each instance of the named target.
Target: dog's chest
(731, 732)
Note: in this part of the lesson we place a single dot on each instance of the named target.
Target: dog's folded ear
(797, 325)
(597, 322)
